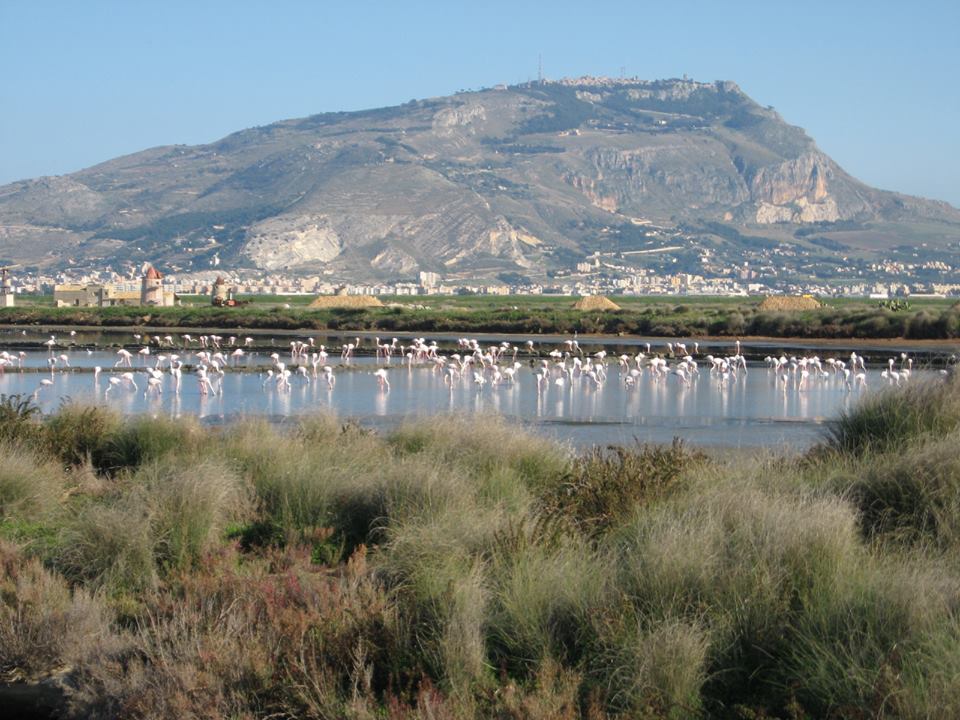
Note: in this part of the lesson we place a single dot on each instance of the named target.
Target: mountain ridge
(522, 179)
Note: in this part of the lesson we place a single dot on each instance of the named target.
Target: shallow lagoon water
(753, 411)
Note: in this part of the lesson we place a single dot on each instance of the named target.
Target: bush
(276, 637)
(652, 668)
(483, 446)
(876, 644)
(543, 602)
(44, 627)
(143, 439)
(80, 433)
(912, 495)
(30, 485)
(605, 485)
(313, 479)
(743, 560)
(893, 418)
(108, 546)
(19, 419)
(508, 577)
(190, 506)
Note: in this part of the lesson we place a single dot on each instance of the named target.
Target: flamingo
(155, 384)
(175, 366)
(45, 383)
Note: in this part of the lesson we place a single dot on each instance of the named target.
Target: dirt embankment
(345, 301)
(780, 303)
(595, 302)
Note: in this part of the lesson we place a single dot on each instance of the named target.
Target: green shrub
(604, 485)
(481, 445)
(876, 643)
(462, 652)
(911, 495)
(190, 505)
(142, 439)
(317, 477)
(82, 433)
(19, 419)
(543, 600)
(893, 418)
(743, 559)
(651, 668)
(110, 546)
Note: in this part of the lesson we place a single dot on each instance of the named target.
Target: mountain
(520, 180)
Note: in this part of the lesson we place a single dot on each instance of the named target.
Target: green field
(639, 316)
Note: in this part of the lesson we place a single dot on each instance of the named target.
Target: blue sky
(875, 83)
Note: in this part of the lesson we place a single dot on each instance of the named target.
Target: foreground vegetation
(652, 316)
(460, 568)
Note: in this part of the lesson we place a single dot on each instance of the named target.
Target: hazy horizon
(87, 83)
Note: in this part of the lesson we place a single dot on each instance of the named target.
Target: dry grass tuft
(30, 485)
(44, 626)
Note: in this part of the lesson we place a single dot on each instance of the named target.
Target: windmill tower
(6, 289)
(151, 290)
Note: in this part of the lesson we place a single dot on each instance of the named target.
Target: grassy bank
(667, 317)
(459, 568)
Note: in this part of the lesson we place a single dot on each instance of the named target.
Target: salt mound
(788, 302)
(345, 301)
(595, 302)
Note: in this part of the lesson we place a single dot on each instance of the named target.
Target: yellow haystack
(345, 301)
(780, 303)
(595, 302)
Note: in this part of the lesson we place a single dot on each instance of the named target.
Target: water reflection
(752, 409)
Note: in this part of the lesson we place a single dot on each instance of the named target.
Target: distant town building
(152, 291)
(94, 295)
(6, 289)
(429, 279)
(149, 291)
(220, 294)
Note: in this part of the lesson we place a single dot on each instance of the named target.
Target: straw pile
(788, 302)
(345, 301)
(595, 302)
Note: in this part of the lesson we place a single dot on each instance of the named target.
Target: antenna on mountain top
(539, 69)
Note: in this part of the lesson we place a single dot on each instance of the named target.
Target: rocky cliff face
(799, 191)
(519, 179)
(682, 172)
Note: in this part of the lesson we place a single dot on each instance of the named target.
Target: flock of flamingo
(162, 361)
